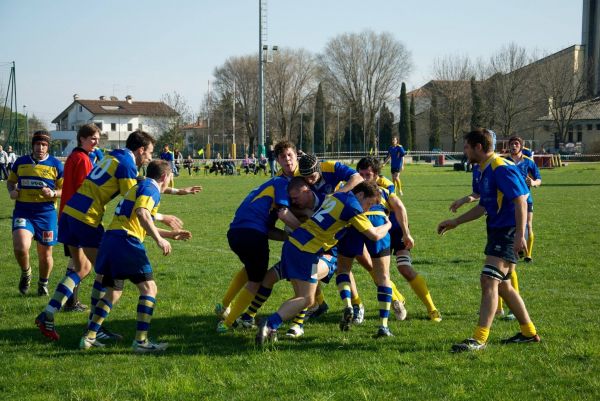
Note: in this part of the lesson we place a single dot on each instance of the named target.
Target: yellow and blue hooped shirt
(31, 176)
(527, 167)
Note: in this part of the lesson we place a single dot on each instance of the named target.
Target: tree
(434, 124)
(413, 123)
(451, 86)
(290, 82)
(319, 123)
(477, 109)
(404, 123)
(172, 120)
(385, 123)
(511, 83)
(364, 70)
(243, 73)
(564, 83)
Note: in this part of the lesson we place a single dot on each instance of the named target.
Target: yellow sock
(320, 298)
(239, 305)
(419, 286)
(481, 334)
(237, 282)
(530, 244)
(514, 280)
(356, 300)
(500, 305)
(397, 295)
(528, 329)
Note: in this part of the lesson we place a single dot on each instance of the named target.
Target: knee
(309, 300)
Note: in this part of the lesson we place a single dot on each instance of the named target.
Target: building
(115, 118)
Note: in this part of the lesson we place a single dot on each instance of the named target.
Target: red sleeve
(77, 167)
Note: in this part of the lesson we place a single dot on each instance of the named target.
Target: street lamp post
(263, 57)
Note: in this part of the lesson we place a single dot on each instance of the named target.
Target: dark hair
(515, 138)
(297, 183)
(367, 162)
(480, 136)
(281, 146)
(41, 136)
(368, 189)
(156, 168)
(138, 139)
(86, 131)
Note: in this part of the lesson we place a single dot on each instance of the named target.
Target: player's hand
(528, 181)
(408, 241)
(172, 221)
(47, 192)
(164, 245)
(189, 190)
(14, 194)
(520, 245)
(457, 204)
(182, 235)
(446, 225)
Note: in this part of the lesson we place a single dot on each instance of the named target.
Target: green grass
(561, 289)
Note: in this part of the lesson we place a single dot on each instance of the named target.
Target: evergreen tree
(477, 113)
(413, 124)
(434, 125)
(386, 127)
(319, 123)
(404, 125)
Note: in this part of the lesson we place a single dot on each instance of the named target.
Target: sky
(153, 47)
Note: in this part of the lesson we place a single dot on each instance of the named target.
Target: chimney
(76, 97)
(103, 97)
(129, 99)
(114, 98)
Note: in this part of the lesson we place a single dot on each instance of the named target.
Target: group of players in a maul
(332, 215)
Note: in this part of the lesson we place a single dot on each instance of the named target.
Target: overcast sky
(151, 47)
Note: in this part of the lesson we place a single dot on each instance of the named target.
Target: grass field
(561, 289)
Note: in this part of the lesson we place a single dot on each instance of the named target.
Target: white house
(115, 118)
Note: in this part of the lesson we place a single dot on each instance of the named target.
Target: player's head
(88, 137)
(394, 141)
(142, 145)
(369, 168)
(300, 194)
(515, 145)
(40, 143)
(367, 194)
(478, 143)
(285, 153)
(310, 168)
(160, 171)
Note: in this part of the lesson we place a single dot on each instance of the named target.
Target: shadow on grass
(186, 335)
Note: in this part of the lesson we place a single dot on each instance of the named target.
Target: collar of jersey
(39, 161)
(488, 161)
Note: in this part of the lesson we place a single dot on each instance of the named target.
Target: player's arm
(364, 226)
(183, 191)
(462, 201)
(534, 179)
(520, 243)
(169, 220)
(351, 183)
(177, 235)
(145, 218)
(471, 215)
(51, 193)
(277, 234)
(402, 219)
(13, 189)
(284, 214)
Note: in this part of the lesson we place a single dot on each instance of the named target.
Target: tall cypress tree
(404, 125)
(319, 127)
(434, 125)
(386, 126)
(413, 124)
(477, 106)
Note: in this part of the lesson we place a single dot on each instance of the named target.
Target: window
(140, 126)
(80, 108)
(597, 127)
(129, 127)
(590, 127)
(546, 128)
(578, 127)
(113, 126)
(580, 137)
(99, 125)
(571, 136)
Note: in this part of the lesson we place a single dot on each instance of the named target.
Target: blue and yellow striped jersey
(31, 176)
(113, 175)
(396, 154)
(384, 182)
(325, 227)
(258, 208)
(527, 167)
(146, 194)
(500, 183)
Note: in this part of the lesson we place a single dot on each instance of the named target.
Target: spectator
(12, 157)
(262, 165)
(3, 164)
(271, 158)
(178, 161)
(188, 164)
